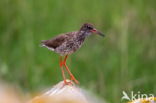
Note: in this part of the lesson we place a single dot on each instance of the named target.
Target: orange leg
(63, 74)
(71, 75)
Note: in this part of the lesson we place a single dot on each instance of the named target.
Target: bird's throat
(82, 35)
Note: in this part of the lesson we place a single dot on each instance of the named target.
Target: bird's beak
(98, 32)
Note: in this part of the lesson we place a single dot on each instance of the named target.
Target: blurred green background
(124, 60)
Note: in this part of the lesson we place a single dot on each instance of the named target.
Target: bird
(67, 43)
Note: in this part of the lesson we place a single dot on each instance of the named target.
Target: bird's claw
(68, 82)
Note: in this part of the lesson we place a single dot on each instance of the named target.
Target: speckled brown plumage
(68, 43)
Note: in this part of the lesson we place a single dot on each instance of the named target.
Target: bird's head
(89, 29)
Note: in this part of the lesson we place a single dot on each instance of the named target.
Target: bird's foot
(68, 82)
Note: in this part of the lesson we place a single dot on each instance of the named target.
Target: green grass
(124, 60)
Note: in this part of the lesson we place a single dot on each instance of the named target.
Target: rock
(61, 93)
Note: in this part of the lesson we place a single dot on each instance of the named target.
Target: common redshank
(67, 43)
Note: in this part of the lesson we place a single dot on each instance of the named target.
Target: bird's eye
(89, 27)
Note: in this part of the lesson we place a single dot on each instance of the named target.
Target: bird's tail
(42, 43)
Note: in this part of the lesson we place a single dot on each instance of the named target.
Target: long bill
(98, 32)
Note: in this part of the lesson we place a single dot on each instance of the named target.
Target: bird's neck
(81, 35)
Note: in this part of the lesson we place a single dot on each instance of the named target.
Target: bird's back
(64, 43)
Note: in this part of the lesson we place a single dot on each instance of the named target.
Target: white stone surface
(61, 93)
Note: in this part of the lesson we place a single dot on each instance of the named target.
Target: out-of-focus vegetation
(124, 60)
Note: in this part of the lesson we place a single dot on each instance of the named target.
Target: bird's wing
(57, 41)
